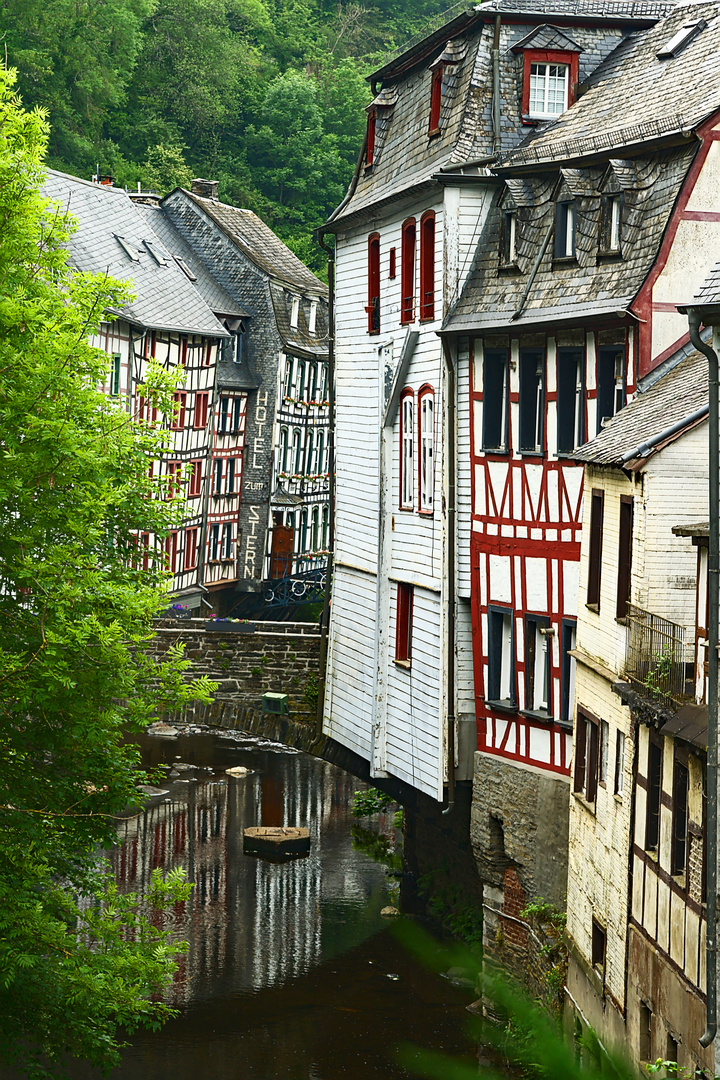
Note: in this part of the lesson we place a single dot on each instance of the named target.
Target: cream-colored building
(635, 914)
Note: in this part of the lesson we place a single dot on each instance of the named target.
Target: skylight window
(156, 253)
(185, 268)
(679, 40)
(129, 250)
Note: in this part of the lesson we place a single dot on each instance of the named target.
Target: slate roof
(633, 96)
(405, 157)
(709, 292)
(567, 293)
(165, 298)
(260, 244)
(672, 400)
(217, 299)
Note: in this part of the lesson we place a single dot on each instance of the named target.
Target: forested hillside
(266, 96)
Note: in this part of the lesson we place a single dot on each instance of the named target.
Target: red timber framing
(643, 306)
(526, 526)
(570, 60)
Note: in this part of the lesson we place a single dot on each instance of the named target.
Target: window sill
(369, 169)
(406, 509)
(433, 133)
(508, 268)
(580, 798)
(373, 333)
(427, 318)
(532, 453)
(404, 664)
(593, 607)
(496, 451)
(567, 455)
(502, 706)
(609, 256)
(536, 714)
(426, 513)
(559, 262)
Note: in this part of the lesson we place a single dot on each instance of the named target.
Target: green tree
(76, 958)
(165, 168)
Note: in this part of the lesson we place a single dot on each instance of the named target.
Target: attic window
(156, 253)
(370, 149)
(313, 316)
(185, 268)
(436, 100)
(679, 40)
(549, 81)
(295, 312)
(129, 250)
(565, 230)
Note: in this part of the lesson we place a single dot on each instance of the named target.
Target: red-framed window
(179, 409)
(373, 304)
(150, 343)
(173, 475)
(171, 550)
(426, 447)
(370, 148)
(207, 353)
(191, 548)
(407, 272)
(427, 265)
(407, 450)
(549, 82)
(436, 100)
(182, 351)
(403, 623)
(145, 548)
(146, 412)
(195, 479)
(201, 410)
(392, 269)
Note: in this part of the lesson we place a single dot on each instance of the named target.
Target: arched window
(407, 272)
(297, 451)
(373, 305)
(427, 265)
(283, 462)
(426, 426)
(407, 450)
(370, 149)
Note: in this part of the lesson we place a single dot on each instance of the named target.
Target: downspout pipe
(694, 316)
(496, 111)
(451, 518)
(330, 251)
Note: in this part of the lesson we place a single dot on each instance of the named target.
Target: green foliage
(377, 846)
(265, 96)
(78, 960)
(544, 912)
(527, 1042)
(310, 693)
(657, 679)
(367, 803)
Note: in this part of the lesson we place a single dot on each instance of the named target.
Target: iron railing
(308, 587)
(659, 660)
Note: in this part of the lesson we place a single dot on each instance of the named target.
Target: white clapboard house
(399, 682)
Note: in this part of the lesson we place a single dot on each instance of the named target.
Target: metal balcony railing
(659, 660)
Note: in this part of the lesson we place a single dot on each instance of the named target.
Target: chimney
(206, 189)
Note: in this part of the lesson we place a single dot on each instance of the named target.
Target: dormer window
(508, 238)
(313, 316)
(548, 90)
(130, 251)
(436, 100)
(370, 148)
(610, 220)
(565, 230)
(295, 312)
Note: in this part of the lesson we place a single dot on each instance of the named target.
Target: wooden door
(281, 555)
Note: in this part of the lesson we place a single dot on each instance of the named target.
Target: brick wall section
(277, 657)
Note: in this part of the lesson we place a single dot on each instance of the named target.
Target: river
(291, 971)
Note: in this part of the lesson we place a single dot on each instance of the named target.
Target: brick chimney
(206, 189)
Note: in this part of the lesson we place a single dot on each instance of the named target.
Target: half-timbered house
(601, 224)
(169, 322)
(399, 684)
(635, 902)
(273, 375)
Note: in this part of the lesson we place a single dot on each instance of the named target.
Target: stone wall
(276, 657)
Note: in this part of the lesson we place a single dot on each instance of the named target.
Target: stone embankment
(276, 657)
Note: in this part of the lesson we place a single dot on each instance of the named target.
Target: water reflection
(291, 973)
(251, 923)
